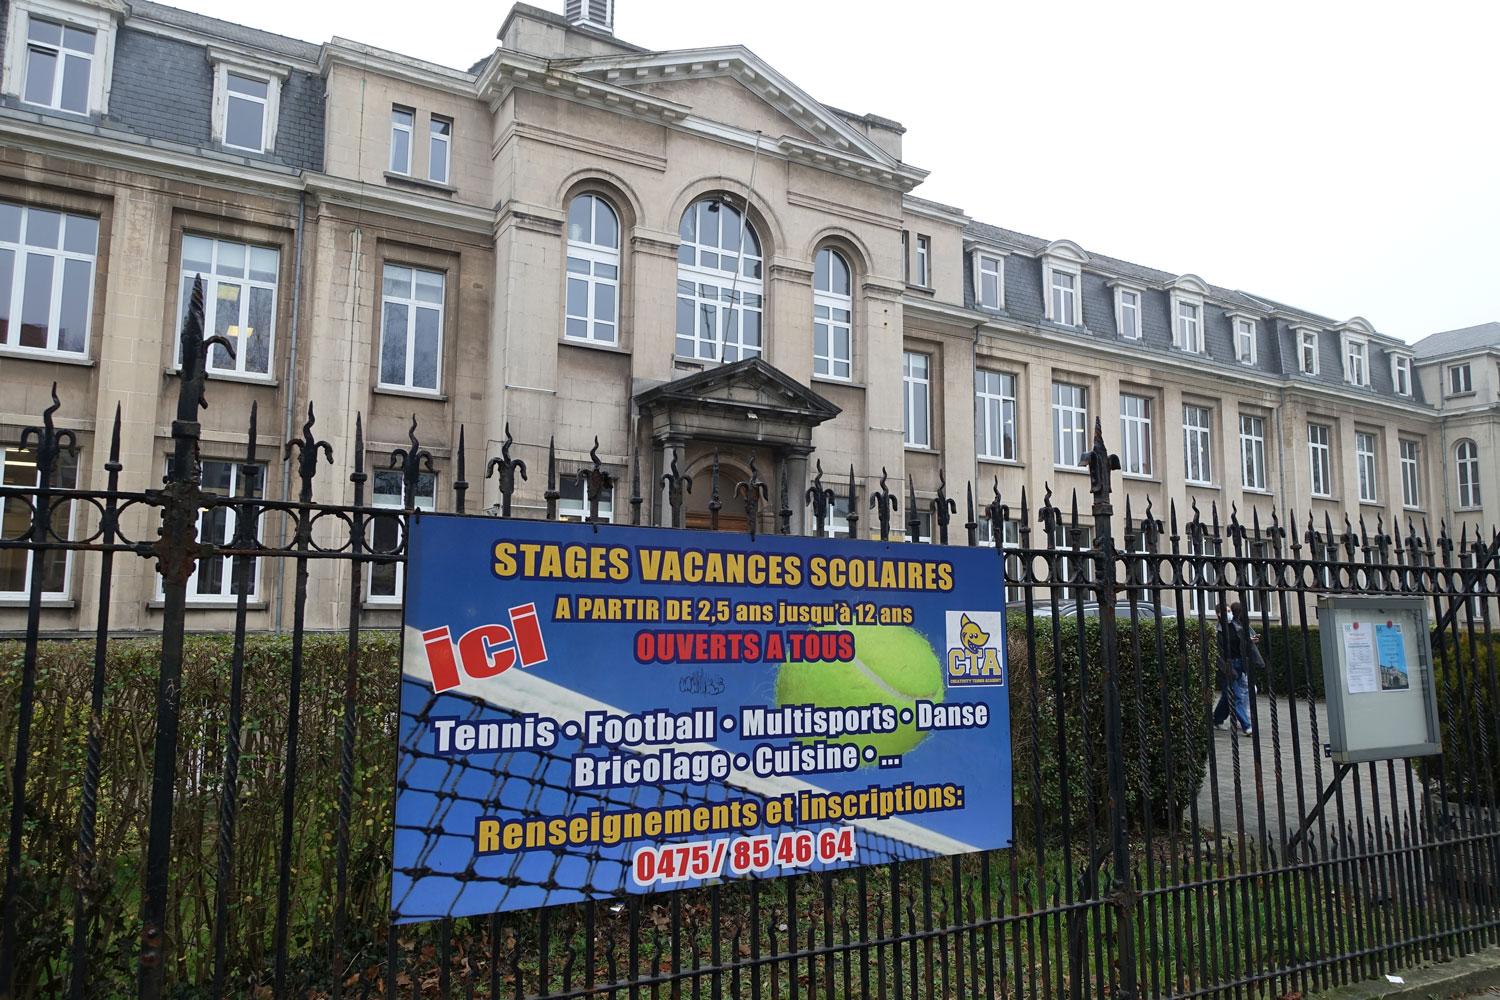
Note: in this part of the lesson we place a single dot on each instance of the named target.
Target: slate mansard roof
(162, 85)
(1470, 338)
(1276, 349)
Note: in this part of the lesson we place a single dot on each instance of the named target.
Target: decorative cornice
(362, 57)
(408, 205)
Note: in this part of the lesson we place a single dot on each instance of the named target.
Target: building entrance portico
(746, 408)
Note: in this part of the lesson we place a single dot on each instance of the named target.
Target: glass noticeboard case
(1377, 675)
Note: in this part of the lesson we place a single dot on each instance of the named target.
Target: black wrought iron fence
(195, 815)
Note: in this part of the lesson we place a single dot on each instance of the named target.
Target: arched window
(1467, 455)
(593, 270)
(719, 285)
(833, 308)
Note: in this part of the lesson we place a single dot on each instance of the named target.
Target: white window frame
(212, 282)
(1466, 468)
(1246, 335)
(1197, 445)
(1356, 360)
(1320, 459)
(1136, 454)
(15, 294)
(916, 389)
(1411, 474)
(924, 261)
(1070, 418)
(1253, 452)
(409, 129)
(97, 18)
(1401, 374)
(436, 139)
(988, 262)
(1365, 447)
(836, 522)
(571, 508)
(270, 74)
(226, 584)
(994, 406)
(828, 303)
(1307, 349)
(746, 289)
(396, 501)
(1460, 379)
(413, 305)
(65, 469)
(599, 259)
(1128, 299)
(1062, 296)
(1187, 325)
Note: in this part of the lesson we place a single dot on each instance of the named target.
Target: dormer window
(1064, 298)
(57, 55)
(1127, 310)
(247, 96)
(1356, 366)
(1244, 339)
(1189, 327)
(989, 280)
(1307, 352)
(1186, 293)
(1401, 374)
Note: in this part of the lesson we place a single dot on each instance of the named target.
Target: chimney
(596, 14)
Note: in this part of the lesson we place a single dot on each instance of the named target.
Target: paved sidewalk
(1298, 749)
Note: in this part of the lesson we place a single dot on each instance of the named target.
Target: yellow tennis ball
(892, 665)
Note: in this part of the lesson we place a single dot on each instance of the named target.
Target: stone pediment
(679, 76)
(749, 386)
(749, 400)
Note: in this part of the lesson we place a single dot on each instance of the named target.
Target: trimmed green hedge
(1465, 673)
(1294, 660)
(1164, 703)
(54, 791)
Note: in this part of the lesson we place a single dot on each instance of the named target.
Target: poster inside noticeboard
(1377, 672)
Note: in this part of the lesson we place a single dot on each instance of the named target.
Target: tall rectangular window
(1466, 463)
(1320, 460)
(924, 261)
(1189, 327)
(1069, 418)
(440, 139)
(239, 300)
(46, 279)
(1135, 435)
(1244, 341)
(401, 126)
(917, 405)
(246, 109)
(905, 256)
(1253, 452)
(1364, 460)
(989, 280)
(1064, 298)
(995, 415)
(411, 328)
(574, 502)
(1460, 379)
(1196, 443)
(1130, 314)
(1401, 374)
(59, 63)
(18, 468)
(1411, 483)
(213, 578)
(385, 529)
(1307, 352)
(1356, 368)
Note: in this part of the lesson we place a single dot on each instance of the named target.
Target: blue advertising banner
(586, 713)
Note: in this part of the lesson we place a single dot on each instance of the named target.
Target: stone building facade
(674, 253)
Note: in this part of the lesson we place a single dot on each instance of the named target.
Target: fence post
(177, 551)
(1100, 463)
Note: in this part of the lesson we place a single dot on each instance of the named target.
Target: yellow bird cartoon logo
(971, 635)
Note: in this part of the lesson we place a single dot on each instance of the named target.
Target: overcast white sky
(1342, 157)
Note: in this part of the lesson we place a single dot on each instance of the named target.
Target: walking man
(1238, 653)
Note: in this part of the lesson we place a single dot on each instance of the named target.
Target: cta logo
(976, 648)
(486, 650)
